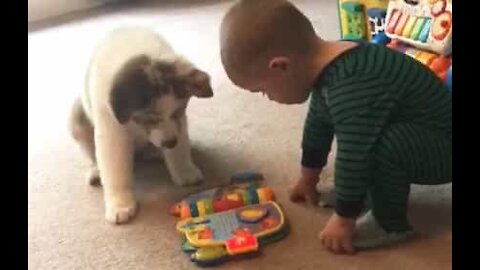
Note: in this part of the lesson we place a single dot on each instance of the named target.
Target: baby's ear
(279, 63)
(198, 84)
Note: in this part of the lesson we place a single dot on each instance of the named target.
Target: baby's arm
(317, 140)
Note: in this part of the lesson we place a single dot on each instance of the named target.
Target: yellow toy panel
(226, 228)
(362, 19)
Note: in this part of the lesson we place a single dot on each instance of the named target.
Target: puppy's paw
(93, 176)
(120, 209)
(187, 175)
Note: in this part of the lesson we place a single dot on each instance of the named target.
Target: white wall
(42, 9)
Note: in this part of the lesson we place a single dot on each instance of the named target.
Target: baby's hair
(254, 30)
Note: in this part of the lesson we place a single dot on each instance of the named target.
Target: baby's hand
(304, 190)
(337, 235)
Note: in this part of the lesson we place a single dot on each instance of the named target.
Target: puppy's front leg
(179, 159)
(115, 161)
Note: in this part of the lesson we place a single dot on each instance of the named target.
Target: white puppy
(137, 91)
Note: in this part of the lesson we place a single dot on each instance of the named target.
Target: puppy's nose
(170, 143)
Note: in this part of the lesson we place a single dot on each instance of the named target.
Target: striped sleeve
(317, 133)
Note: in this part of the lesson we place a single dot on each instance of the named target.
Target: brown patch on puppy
(132, 89)
(169, 73)
(195, 82)
(142, 80)
(199, 84)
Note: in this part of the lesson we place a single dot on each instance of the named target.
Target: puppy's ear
(198, 84)
(132, 89)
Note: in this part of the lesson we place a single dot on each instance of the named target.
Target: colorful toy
(244, 190)
(231, 221)
(362, 19)
(424, 24)
(213, 239)
(235, 199)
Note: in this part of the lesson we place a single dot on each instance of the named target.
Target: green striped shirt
(356, 97)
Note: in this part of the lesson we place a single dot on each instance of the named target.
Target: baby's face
(280, 86)
(281, 90)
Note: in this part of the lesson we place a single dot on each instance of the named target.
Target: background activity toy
(421, 29)
(424, 24)
(229, 222)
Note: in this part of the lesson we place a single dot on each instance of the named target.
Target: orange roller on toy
(440, 64)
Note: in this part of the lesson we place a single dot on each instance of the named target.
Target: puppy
(137, 91)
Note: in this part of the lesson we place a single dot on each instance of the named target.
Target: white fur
(115, 143)
(179, 161)
(326, 186)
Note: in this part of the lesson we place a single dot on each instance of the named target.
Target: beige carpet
(233, 131)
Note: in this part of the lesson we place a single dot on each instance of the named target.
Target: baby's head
(268, 46)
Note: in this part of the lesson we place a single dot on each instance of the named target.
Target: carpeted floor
(233, 131)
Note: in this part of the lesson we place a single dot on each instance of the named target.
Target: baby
(392, 117)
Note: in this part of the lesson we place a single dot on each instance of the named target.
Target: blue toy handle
(246, 176)
(381, 38)
(449, 79)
